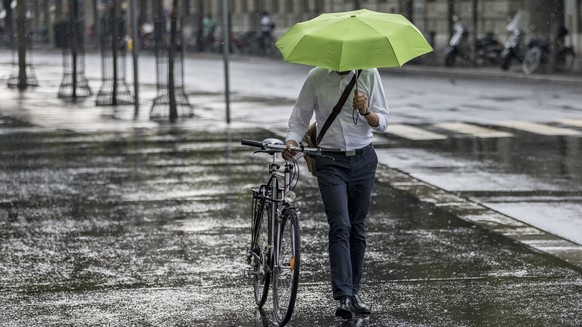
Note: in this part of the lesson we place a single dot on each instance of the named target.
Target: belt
(350, 153)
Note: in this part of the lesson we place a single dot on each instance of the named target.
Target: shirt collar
(329, 71)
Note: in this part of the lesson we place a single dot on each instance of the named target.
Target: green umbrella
(353, 40)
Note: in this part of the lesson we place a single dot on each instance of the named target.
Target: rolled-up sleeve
(302, 111)
(377, 102)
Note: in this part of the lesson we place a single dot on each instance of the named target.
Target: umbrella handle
(357, 72)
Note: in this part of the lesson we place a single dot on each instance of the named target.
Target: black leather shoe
(359, 306)
(345, 309)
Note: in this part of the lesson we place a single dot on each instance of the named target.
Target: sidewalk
(574, 77)
(431, 66)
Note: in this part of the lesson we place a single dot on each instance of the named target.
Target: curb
(572, 78)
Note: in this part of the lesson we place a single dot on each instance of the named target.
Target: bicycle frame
(275, 197)
(278, 201)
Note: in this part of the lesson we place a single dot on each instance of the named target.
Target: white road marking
(473, 130)
(414, 133)
(538, 128)
(570, 122)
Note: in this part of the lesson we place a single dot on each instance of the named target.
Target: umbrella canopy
(353, 40)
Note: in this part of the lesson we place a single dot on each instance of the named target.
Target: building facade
(433, 17)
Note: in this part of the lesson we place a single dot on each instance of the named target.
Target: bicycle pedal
(250, 272)
(253, 255)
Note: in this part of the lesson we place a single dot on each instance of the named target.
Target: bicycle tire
(262, 239)
(531, 60)
(286, 270)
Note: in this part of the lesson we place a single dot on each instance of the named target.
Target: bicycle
(275, 250)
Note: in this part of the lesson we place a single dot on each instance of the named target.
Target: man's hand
(288, 153)
(360, 103)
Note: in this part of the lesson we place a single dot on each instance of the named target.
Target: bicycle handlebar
(257, 144)
(273, 145)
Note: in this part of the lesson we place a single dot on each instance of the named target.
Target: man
(346, 182)
(267, 26)
(208, 28)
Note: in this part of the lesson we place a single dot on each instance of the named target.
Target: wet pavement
(149, 227)
(108, 220)
(537, 179)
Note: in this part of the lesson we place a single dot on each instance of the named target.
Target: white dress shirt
(320, 93)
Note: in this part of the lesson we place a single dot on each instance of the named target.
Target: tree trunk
(410, 10)
(318, 7)
(96, 28)
(114, 47)
(8, 21)
(143, 10)
(556, 21)
(475, 30)
(73, 14)
(200, 33)
(171, 59)
(21, 43)
(59, 8)
(47, 21)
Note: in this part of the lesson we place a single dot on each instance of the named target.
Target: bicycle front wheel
(286, 269)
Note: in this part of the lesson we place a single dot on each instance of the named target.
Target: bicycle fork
(283, 219)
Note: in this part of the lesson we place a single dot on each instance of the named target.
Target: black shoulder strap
(338, 107)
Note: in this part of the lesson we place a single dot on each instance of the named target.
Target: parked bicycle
(275, 252)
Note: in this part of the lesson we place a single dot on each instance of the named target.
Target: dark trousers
(346, 187)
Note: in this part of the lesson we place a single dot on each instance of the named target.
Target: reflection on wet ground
(533, 178)
(149, 227)
(542, 157)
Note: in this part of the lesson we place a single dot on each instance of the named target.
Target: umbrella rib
(393, 51)
(398, 24)
(387, 39)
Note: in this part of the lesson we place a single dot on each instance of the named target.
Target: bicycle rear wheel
(286, 269)
(261, 254)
